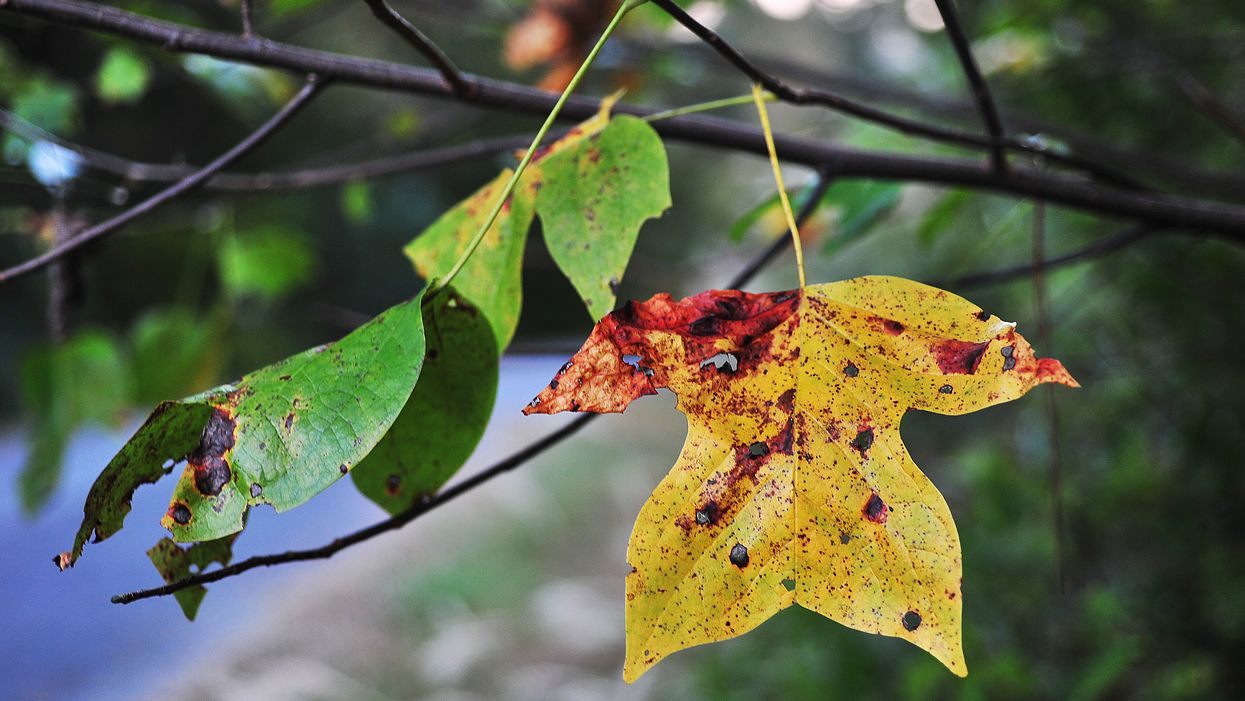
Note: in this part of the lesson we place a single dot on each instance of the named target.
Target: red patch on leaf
(958, 357)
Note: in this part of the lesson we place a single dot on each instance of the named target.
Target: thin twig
(1096, 249)
(1055, 466)
(458, 83)
(59, 274)
(248, 25)
(304, 178)
(422, 507)
(181, 187)
(977, 83)
(1214, 109)
(1158, 210)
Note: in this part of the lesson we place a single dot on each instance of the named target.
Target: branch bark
(976, 82)
(1155, 209)
(181, 187)
(454, 78)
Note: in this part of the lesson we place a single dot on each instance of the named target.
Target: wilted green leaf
(64, 386)
(267, 262)
(123, 76)
(592, 200)
(492, 277)
(278, 436)
(446, 414)
(174, 562)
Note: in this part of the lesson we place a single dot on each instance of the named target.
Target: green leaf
(123, 76)
(443, 420)
(492, 277)
(173, 351)
(266, 262)
(278, 436)
(593, 198)
(84, 379)
(174, 562)
(744, 224)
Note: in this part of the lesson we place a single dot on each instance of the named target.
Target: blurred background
(516, 590)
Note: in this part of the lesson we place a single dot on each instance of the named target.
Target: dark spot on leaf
(758, 449)
(705, 326)
(863, 440)
(211, 470)
(851, 370)
(393, 484)
(875, 509)
(911, 621)
(946, 389)
(256, 490)
(180, 513)
(285, 378)
(958, 357)
(433, 354)
(739, 556)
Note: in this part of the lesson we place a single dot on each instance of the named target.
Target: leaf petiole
(706, 106)
(758, 98)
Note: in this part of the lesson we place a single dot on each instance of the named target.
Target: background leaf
(85, 379)
(123, 76)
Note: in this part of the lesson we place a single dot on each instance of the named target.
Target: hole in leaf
(721, 360)
(788, 584)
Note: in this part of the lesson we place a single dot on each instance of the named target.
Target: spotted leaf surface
(446, 415)
(593, 189)
(278, 436)
(794, 486)
(593, 199)
(174, 562)
(492, 277)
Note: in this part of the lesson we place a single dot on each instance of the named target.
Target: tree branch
(454, 78)
(181, 187)
(977, 83)
(1158, 210)
(138, 171)
(1097, 249)
(248, 25)
(420, 508)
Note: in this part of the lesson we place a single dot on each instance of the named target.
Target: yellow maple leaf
(794, 486)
